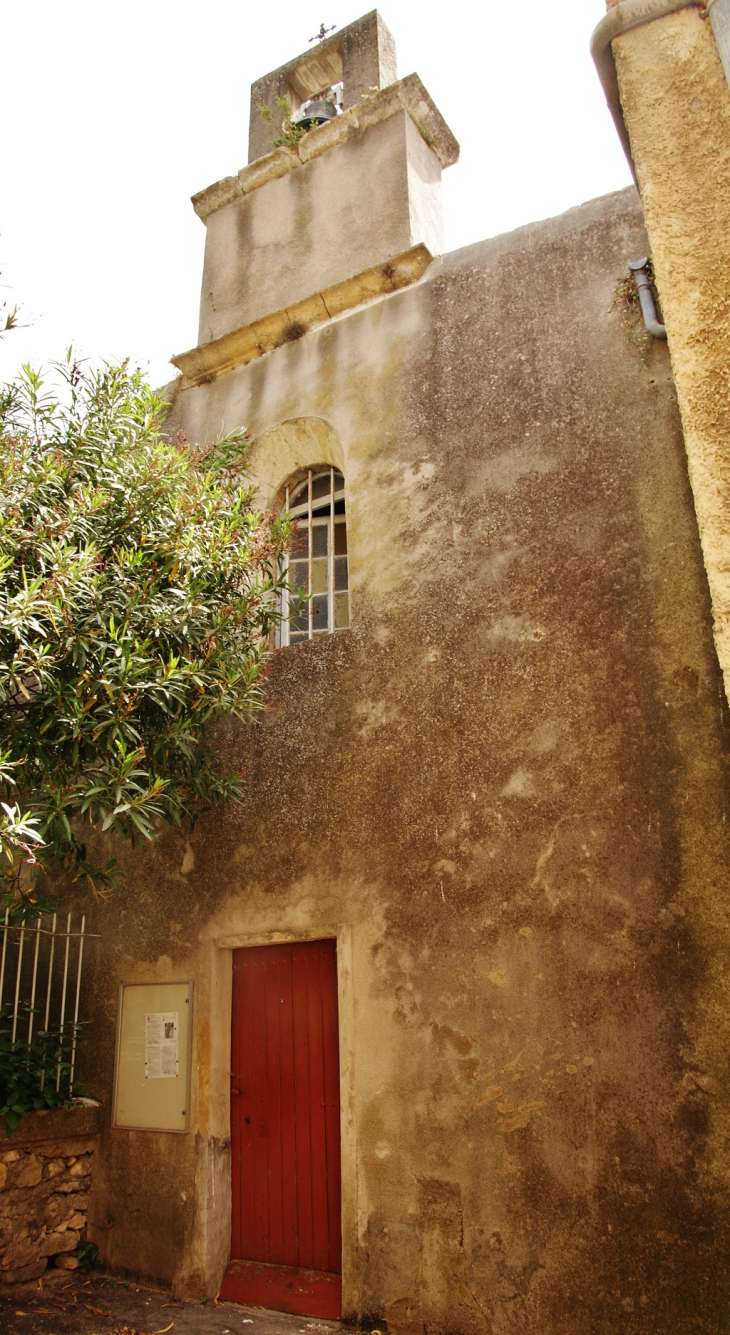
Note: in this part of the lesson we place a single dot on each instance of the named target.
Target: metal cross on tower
(320, 36)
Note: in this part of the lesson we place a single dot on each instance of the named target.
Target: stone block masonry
(45, 1176)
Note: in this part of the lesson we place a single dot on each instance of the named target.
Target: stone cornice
(408, 95)
(209, 360)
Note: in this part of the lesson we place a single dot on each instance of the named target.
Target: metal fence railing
(40, 982)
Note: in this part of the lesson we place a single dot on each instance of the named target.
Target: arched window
(318, 558)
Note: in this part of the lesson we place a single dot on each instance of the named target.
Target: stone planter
(45, 1175)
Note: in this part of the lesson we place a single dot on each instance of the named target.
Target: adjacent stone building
(454, 978)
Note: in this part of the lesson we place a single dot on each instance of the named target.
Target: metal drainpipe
(646, 298)
(622, 18)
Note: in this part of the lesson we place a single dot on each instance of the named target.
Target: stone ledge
(52, 1124)
(202, 364)
(408, 95)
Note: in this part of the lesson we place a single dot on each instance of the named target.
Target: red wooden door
(285, 1130)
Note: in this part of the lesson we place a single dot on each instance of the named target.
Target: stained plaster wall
(304, 232)
(503, 791)
(676, 104)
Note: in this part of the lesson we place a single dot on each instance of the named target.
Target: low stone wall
(45, 1175)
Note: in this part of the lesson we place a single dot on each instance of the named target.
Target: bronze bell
(316, 113)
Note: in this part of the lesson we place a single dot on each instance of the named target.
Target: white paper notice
(161, 1050)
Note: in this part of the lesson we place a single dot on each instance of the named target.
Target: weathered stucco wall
(303, 231)
(503, 791)
(676, 104)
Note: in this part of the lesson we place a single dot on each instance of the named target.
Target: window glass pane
(298, 575)
(295, 637)
(297, 616)
(339, 507)
(320, 534)
(340, 572)
(320, 486)
(318, 609)
(319, 576)
(299, 495)
(340, 539)
(299, 541)
(342, 611)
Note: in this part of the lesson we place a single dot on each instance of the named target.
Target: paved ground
(72, 1305)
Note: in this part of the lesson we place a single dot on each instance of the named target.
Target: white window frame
(304, 512)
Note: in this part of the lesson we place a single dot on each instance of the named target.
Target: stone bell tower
(314, 227)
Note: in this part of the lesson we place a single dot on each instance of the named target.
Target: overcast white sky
(114, 114)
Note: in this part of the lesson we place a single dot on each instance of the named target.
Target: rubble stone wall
(45, 1176)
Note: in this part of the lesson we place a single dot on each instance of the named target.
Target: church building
(446, 999)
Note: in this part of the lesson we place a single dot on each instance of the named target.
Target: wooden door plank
(260, 1214)
(236, 1170)
(331, 1042)
(301, 1111)
(245, 1080)
(285, 1288)
(290, 1231)
(271, 1060)
(241, 1105)
(315, 1035)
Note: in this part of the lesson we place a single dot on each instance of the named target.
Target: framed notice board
(152, 1078)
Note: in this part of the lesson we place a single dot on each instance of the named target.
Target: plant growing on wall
(291, 133)
(138, 588)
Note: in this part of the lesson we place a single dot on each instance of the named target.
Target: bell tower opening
(317, 88)
(334, 75)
